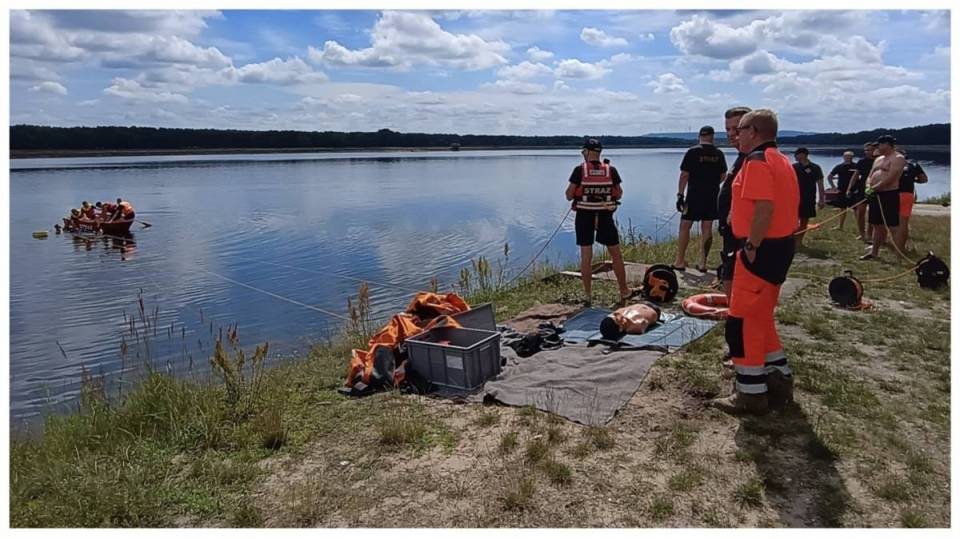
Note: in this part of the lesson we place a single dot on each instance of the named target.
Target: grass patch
(686, 480)
(912, 519)
(600, 438)
(557, 472)
(555, 436)
(661, 508)
(519, 493)
(893, 489)
(488, 419)
(508, 442)
(536, 450)
(749, 494)
(674, 443)
(943, 200)
(742, 455)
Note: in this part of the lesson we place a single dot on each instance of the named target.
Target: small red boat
(111, 228)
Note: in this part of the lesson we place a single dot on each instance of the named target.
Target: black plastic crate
(455, 358)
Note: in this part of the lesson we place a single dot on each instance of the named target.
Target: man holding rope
(883, 192)
(763, 218)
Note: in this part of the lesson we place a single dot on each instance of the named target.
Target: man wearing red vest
(595, 189)
(763, 218)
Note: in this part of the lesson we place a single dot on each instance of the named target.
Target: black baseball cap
(803, 150)
(886, 139)
(592, 144)
(706, 130)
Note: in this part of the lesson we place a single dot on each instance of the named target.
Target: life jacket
(90, 212)
(596, 187)
(107, 208)
(126, 209)
(381, 365)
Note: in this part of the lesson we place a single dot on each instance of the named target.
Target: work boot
(742, 403)
(779, 390)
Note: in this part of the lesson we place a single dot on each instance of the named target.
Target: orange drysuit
(755, 347)
(379, 362)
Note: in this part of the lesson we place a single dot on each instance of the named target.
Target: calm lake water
(233, 233)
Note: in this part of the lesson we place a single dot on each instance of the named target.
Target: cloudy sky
(483, 72)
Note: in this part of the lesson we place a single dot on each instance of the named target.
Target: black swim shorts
(597, 224)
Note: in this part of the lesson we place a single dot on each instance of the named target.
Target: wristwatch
(748, 246)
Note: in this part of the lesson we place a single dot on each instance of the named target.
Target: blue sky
(485, 72)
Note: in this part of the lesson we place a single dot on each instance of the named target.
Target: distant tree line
(35, 137)
(923, 135)
(39, 138)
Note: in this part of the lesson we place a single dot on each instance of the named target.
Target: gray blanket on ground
(579, 382)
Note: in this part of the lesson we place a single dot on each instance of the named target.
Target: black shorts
(855, 196)
(728, 255)
(889, 203)
(808, 208)
(700, 207)
(596, 222)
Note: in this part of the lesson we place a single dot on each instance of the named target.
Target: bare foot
(837, 228)
(868, 256)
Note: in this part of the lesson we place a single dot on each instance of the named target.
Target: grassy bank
(868, 444)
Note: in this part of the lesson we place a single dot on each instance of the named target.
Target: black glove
(680, 202)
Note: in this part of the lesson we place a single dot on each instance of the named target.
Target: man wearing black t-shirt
(594, 188)
(843, 173)
(913, 173)
(810, 181)
(702, 170)
(855, 193)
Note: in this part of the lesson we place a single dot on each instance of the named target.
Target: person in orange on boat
(763, 218)
(88, 211)
(629, 320)
(107, 210)
(594, 188)
(124, 210)
(74, 217)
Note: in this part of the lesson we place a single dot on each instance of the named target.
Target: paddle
(145, 224)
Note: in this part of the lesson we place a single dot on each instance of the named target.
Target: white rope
(277, 296)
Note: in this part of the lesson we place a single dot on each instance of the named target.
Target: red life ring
(712, 306)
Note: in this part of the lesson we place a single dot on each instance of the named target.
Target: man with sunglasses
(763, 218)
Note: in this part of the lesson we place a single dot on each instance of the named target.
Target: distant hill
(922, 135)
(721, 135)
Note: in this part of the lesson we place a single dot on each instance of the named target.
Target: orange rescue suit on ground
(426, 311)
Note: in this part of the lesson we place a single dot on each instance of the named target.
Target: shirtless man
(883, 192)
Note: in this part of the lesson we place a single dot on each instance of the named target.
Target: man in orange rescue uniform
(763, 217)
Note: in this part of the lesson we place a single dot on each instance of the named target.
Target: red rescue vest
(596, 187)
(126, 209)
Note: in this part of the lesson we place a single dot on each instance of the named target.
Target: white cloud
(668, 83)
(614, 96)
(24, 69)
(803, 31)
(49, 87)
(277, 71)
(758, 63)
(524, 70)
(516, 87)
(575, 69)
(599, 38)
(402, 40)
(646, 37)
(537, 55)
(132, 90)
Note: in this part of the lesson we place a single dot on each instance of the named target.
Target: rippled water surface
(231, 235)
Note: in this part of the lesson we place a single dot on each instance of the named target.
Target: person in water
(594, 188)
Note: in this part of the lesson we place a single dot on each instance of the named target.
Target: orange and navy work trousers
(751, 333)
